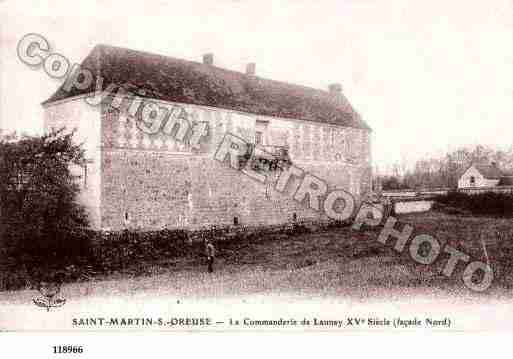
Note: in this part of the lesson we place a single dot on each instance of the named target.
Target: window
(259, 138)
(80, 172)
(472, 180)
(85, 175)
(260, 132)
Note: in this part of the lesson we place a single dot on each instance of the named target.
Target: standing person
(211, 253)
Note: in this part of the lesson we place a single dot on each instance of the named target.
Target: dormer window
(472, 180)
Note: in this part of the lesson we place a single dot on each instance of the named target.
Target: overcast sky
(425, 75)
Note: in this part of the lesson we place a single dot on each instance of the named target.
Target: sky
(427, 76)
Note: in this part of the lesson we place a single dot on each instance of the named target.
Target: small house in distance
(484, 175)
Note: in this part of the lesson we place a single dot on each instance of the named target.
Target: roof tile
(176, 80)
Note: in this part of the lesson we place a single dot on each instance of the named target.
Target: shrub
(85, 253)
(487, 203)
(41, 223)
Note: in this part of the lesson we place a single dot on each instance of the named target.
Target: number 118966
(68, 349)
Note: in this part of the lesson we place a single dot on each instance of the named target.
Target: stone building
(151, 180)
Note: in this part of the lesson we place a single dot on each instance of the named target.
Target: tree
(38, 207)
(445, 171)
(391, 183)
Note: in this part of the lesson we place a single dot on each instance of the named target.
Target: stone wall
(152, 181)
(412, 206)
(85, 119)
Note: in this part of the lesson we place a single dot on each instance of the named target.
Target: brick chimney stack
(251, 69)
(208, 59)
(335, 89)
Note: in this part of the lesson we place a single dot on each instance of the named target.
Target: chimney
(335, 89)
(250, 69)
(208, 59)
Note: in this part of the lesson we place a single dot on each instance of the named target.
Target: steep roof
(189, 82)
(489, 171)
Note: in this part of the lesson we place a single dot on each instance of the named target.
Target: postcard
(256, 166)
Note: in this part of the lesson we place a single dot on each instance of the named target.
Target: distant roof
(189, 82)
(489, 171)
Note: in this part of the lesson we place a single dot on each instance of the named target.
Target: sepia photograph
(256, 166)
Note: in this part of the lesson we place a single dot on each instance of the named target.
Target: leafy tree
(444, 171)
(38, 207)
(392, 183)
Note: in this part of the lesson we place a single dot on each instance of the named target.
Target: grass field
(339, 261)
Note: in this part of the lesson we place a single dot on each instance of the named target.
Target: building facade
(153, 180)
(480, 176)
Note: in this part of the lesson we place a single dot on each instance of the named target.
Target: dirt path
(334, 273)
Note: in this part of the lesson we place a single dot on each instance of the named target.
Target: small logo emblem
(49, 299)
